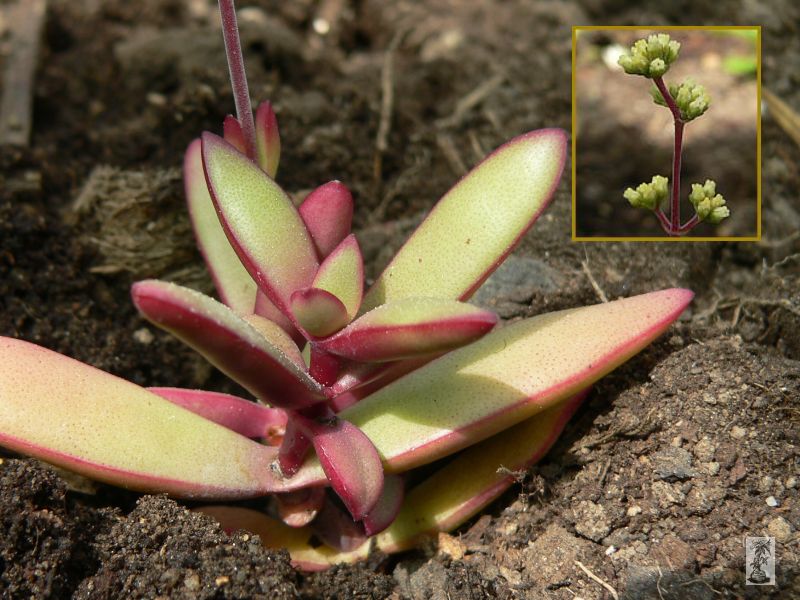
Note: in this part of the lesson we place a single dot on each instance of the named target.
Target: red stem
(689, 225)
(241, 94)
(674, 227)
(662, 218)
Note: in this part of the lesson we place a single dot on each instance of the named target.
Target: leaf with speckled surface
(477, 223)
(507, 376)
(228, 342)
(328, 214)
(262, 225)
(245, 417)
(342, 274)
(235, 286)
(317, 311)
(72, 415)
(408, 328)
(232, 132)
(464, 486)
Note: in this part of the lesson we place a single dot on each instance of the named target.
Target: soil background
(671, 462)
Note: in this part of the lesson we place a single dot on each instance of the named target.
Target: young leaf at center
(408, 328)
(262, 224)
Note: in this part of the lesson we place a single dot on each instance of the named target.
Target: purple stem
(662, 218)
(674, 226)
(689, 225)
(241, 94)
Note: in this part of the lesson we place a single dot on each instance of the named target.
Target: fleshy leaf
(324, 367)
(507, 376)
(228, 342)
(278, 337)
(298, 509)
(77, 417)
(317, 311)
(262, 224)
(342, 274)
(409, 328)
(277, 535)
(349, 460)
(237, 414)
(337, 529)
(268, 139)
(477, 223)
(388, 507)
(232, 132)
(235, 286)
(294, 448)
(328, 215)
(440, 503)
(471, 481)
(265, 308)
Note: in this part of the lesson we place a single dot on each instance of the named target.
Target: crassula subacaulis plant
(652, 58)
(354, 390)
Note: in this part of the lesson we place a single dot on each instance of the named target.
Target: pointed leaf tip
(388, 506)
(328, 214)
(237, 414)
(342, 274)
(260, 221)
(318, 311)
(477, 223)
(232, 132)
(350, 461)
(268, 139)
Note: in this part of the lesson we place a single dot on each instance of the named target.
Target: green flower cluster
(692, 98)
(709, 205)
(648, 195)
(651, 57)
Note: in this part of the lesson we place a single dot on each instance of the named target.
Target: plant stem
(674, 227)
(689, 225)
(241, 94)
(662, 218)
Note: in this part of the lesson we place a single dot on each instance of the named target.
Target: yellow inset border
(657, 28)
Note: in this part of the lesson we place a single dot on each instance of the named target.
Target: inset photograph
(666, 133)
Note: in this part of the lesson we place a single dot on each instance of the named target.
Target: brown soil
(663, 472)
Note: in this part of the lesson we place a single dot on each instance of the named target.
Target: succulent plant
(354, 391)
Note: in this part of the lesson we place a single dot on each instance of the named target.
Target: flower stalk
(651, 58)
(241, 92)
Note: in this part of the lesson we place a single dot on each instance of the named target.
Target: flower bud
(692, 99)
(709, 205)
(648, 195)
(651, 57)
(657, 68)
